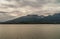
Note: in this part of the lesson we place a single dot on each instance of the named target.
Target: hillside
(35, 19)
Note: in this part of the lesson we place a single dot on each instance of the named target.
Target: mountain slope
(35, 19)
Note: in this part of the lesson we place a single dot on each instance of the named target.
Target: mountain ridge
(35, 19)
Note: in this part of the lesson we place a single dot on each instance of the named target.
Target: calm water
(29, 31)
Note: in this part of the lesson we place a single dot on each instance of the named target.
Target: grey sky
(11, 9)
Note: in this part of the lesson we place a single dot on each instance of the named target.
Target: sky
(11, 9)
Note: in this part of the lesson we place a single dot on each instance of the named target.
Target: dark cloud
(3, 12)
(22, 3)
(31, 3)
(7, 5)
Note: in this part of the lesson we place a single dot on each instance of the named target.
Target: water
(29, 31)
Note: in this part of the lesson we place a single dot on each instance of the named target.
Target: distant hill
(35, 19)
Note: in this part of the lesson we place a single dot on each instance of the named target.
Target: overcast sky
(11, 9)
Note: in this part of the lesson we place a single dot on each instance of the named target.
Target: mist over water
(39, 31)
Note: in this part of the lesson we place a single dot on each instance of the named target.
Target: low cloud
(18, 8)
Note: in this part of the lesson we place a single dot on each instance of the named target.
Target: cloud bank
(10, 9)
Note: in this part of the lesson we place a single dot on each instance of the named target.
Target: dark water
(39, 31)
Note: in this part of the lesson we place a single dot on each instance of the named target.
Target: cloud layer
(10, 9)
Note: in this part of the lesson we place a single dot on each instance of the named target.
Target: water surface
(30, 31)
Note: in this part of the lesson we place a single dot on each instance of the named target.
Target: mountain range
(35, 19)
